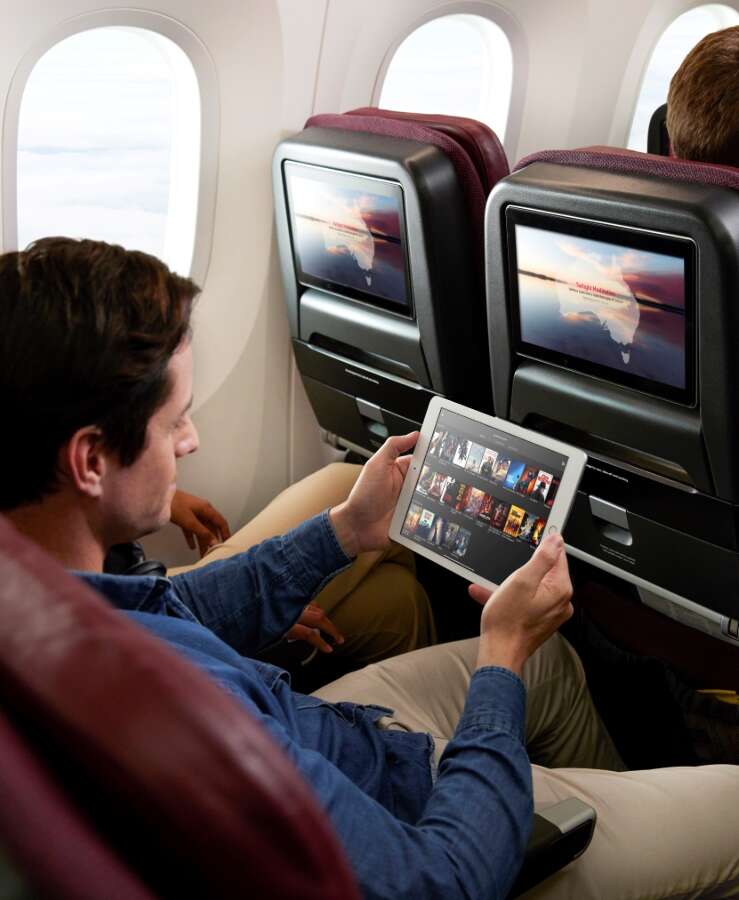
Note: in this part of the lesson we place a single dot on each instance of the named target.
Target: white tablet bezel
(570, 479)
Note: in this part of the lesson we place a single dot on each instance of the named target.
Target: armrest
(560, 834)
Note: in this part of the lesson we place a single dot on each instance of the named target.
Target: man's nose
(189, 442)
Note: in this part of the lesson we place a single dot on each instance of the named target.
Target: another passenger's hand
(199, 520)
(526, 609)
(313, 620)
(361, 522)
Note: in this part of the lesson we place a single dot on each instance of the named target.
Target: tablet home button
(552, 529)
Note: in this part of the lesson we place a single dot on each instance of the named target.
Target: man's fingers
(216, 522)
(314, 617)
(310, 636)
(478, 593)
(190, 538)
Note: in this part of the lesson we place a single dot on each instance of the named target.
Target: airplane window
(676, 42)
(109, 143)
(458, 65)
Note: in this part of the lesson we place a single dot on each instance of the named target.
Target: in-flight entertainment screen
(348, 234)
(613, 302)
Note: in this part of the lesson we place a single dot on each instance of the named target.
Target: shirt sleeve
(472, 835)
(253, 598)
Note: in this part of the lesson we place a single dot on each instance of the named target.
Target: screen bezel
(557, 519)
(351, 180)
(620, 235)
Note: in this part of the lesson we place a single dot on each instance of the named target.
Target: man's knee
(391, 614)
(556, 658)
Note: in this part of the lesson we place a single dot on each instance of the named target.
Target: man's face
(137, 498)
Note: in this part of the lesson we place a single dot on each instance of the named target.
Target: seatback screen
(483, 496)
(612, 302)
(348, 234)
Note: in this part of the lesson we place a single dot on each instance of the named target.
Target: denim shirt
(407, 831)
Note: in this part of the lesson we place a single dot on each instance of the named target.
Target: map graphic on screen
(608, 304)
(349, 235)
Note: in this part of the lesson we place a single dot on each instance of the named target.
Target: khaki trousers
(377, 603)
(661, 833)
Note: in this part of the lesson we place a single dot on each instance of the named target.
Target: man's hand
(199, 521)
(361, 522)
(313, 620)
(526, 609)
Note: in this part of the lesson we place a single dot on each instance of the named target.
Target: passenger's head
(703, 101)
(94, 349)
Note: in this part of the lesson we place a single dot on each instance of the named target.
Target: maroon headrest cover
(202, 799)
(480, 141)
(414, 131)
(632, 162)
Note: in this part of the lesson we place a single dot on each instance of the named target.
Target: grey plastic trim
(370, 410)
(568, 814)
(602, 509)
(672, 605)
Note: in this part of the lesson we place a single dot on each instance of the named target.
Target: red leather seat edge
(199, 798)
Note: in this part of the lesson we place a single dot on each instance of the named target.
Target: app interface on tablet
(483, 496)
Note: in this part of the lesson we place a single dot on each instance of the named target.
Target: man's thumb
(545, 558)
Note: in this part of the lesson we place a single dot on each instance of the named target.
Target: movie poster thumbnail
(500, 514)
(460, 457)
(553, 488)
(462, 543)
(449, 494)
(425, 523)
(425, 479)
(515, 471)
(474, 458)
(449, 540)
(527, 527)
(473, 502)
(489, 458)
(448, 447)
(513, 522)
(486, 509)
(438, 483)
(411, 519)
(436, 442)
(537, 531)
(527, 480)
(541, 487)
(500, 469)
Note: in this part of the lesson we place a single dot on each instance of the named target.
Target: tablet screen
(483, 496)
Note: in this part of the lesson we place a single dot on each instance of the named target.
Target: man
(703, 101)
(428, 787)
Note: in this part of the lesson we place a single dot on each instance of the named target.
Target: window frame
(205, 73)
(516, 36)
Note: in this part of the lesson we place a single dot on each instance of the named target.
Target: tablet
(481, 493)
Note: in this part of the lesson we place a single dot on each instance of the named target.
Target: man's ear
(84, 459)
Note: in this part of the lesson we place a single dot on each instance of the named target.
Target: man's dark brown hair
(703, 102)
(87, 330)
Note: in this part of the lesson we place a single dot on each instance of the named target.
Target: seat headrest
(178, 775)
(423, 134)
(632, 162)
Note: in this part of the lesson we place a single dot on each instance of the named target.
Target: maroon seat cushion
(480, 141)
(47, 836)
(632, 162)
(186, 786)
